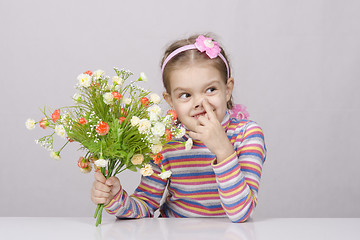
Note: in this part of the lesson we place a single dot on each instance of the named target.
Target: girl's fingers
(210, 112)
(99, 177)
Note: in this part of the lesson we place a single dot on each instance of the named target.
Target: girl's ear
(168, 99)
(229, 88)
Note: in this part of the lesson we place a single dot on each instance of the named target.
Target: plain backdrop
(296, 68)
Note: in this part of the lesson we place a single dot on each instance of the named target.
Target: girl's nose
(198, 103)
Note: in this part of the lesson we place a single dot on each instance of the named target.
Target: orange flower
(44, 123)
(158, 158)
(102, 128)
(121, 119)
(56, 115)
(168, 135)
(172, 113)
(88, 72)
(144, 101)
(116, 95)
(83, 121)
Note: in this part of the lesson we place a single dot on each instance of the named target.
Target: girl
(219, 176)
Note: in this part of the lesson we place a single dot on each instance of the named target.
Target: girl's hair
(191, 57)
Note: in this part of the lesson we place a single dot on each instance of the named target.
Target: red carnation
(83, 162)
(144, 101)
(56, 115)
(88, 72)
(102, 128)
(116, 95)
(121, 119)
(168, 135)
(83, 121)
(158, 158)
(172, 113)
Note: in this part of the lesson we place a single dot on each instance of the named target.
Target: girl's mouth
(199, 115)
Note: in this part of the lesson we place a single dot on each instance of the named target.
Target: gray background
(296, 68)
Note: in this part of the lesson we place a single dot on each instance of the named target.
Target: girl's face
(190, 86)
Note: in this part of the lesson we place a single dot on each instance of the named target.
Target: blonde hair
(190, 57)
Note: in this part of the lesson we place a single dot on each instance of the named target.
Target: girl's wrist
(224, 153)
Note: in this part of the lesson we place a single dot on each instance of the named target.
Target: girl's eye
(184, 95)
(210, 90)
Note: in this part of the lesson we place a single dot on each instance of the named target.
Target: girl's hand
(104, 190)
(212, 134)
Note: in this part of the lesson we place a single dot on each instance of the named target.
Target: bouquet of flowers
(119, 125)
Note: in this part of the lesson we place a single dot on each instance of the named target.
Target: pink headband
(203, 44)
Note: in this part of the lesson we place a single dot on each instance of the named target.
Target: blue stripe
(196, 174)
(251, 171)
(232, 186)
(200, 205)
(235, 203)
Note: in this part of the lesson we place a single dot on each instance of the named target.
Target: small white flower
(127, 101)
(143, 77)
(134, 121)
(180, 133)
(101, 162)
(117, 88)
(30, 124)
(98, 73)
(55, 155)
(165, 174)
(137, 159)
(144, 126)
(154, 109)
(155, 98)
(84, 80)
(188, 144)
(77, 97)
(158, 129)
(117, 80)
(60, 130)
(156, 148)
(147, 170)
(108, 98)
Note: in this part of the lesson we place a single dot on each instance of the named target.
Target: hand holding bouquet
(118, 125)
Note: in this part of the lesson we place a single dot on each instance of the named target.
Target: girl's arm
(143, 202)
(238, 176)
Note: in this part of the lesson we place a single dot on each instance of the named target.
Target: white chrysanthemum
(188, 144)
(143, 77)
(156, 148)
(108, 98)
(154, 109)
(137, 159)
(117, 80)
(60, 130)
(55, 155)
(101, 162)
(167, 119)
(98, 73)
(155, 98)
(127, 101)
(180, 133)
(147, 170)
(144, 126)
(134, 121)
(30, 124)
(165, 174)
(154, 117)
(155, 139)
(77, 97)
(158, 129)
(84, 80)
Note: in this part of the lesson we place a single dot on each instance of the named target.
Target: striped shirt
(198, 186)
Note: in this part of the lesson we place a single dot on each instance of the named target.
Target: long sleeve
(239, 175)
(145, 200)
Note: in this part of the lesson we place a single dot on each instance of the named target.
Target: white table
(176, 229)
